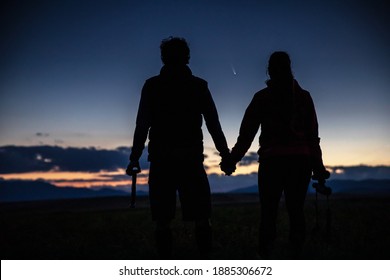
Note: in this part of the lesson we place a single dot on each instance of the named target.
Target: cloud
(19, 159)
(42, 134)
(360, 172)
(249, 159)
(22, 159)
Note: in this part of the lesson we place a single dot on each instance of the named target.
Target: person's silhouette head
(175, 51)
(279, 66)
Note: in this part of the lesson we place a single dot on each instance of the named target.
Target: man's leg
(162, 196)
(204, 238)
(195, 198)
(163, 237)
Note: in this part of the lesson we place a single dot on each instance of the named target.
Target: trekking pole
(328, 220)
(133, 189)
(132, 170)
(325, 190)
(316, 227)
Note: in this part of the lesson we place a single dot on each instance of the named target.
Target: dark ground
(106, 228)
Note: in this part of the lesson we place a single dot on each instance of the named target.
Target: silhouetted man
(289, 150)
(170, 111)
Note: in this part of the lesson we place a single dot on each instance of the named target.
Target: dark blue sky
(71, 71)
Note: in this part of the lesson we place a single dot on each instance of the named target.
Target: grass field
(105, 228)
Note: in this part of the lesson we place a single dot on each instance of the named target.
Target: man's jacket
(170, 111)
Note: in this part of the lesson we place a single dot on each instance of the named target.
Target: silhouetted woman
(289, 150)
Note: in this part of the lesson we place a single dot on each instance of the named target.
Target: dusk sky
(72, 71)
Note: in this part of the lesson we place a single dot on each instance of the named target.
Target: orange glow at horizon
(52, 175)
(78, 179)
(118, 178)
(142, 181)
(212, 161)
(241, 170)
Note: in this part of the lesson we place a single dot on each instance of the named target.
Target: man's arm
(213, 125)
(142, 125)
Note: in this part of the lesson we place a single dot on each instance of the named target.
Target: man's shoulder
(199, 80)
(195, 79)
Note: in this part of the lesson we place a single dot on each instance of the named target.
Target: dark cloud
(42, 134)
(18, 159)
(360, 172)
(250, 158)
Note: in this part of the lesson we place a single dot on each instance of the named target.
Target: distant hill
(17, 190)
(342, 187)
